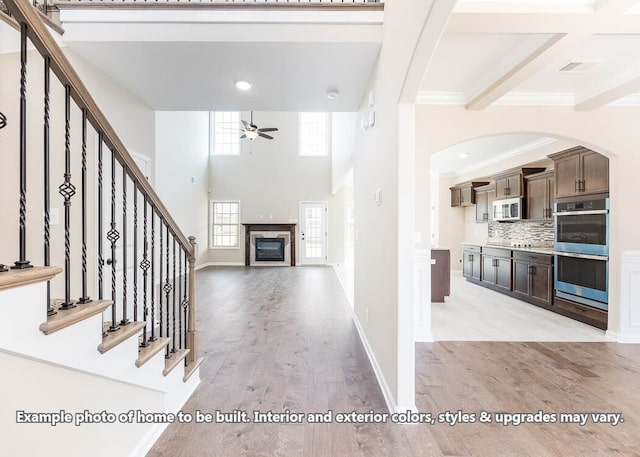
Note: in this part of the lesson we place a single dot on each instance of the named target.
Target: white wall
(182, 157)
(343, 131)
(270, 179)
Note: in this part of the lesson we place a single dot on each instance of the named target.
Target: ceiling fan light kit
(251, 130)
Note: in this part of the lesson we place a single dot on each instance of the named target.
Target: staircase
(98, 314)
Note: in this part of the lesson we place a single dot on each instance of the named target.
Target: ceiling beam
(614, 6)
(550, 50)
(610, 93)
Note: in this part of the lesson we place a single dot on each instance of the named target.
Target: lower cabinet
(471, 262)
(496, 267)
(533, 277)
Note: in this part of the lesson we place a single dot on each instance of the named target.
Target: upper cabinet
(464, 194)
(580, 171)
(484, 202)
(510, 184)
(540, 195)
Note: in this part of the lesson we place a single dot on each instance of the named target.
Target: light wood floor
(282, 338)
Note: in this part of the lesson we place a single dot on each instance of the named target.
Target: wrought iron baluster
(185, 302)
(179, 298)
(67, 190)
(125, 320)
(23, 262)
(153, 277)
(144, 265)
(167, 291)
(85, 297)
(160, 289)
(113, 235)
(47, 176)
(173, 323)
(100, 253)
(135, 251)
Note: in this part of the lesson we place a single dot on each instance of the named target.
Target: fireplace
(270, 249)
(270, 244)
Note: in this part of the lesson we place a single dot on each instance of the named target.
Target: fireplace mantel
(262, 227)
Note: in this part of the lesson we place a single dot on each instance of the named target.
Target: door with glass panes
(313, 233)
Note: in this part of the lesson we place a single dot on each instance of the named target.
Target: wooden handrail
(24, 12)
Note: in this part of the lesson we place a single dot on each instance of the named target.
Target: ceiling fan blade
(243, 136)
(268, 129)
(265, 136)
(246, 125)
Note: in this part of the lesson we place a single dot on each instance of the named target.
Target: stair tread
(15, 278)
(174, 360)
(66, 317)
(191, 368)
(146, 353)
(115, 338)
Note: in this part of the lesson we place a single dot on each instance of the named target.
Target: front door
(313, 233)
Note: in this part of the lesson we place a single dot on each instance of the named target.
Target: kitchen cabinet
(485, 196)
(580, 171)
(440, 274)
(496, 267)
(464, 194)
(540, 196)
(471, 262)
(533, 277)
(510, 184)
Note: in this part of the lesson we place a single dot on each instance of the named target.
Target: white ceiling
(510, 51)
(189, 59)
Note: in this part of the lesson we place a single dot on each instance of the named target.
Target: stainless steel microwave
(509, 209)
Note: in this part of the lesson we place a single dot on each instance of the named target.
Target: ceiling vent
(585, 66)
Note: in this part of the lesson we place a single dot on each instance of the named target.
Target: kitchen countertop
(539, 250)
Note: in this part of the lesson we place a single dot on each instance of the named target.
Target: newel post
(192, 341)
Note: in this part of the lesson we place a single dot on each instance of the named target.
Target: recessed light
(332, 94)
(243, 85)
(464, 155)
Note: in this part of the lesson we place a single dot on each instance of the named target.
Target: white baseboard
(220, 264)
(627, 337)
(386, 392)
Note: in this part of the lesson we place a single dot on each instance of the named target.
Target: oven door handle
(582, 256)
(581, 213)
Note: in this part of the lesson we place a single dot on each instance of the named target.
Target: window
(314, 134)
(225, 133)
(225, 224)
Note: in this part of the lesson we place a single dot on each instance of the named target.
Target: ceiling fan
(251, 130)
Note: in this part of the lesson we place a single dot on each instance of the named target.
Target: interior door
(313, 233)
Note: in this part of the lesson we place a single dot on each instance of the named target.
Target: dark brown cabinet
(485, 196)
(533, 277)
(464, 194)
(540, 195)
(509, 186)
(496, 267)
(440, 275)
(580, 171)
(471, 262)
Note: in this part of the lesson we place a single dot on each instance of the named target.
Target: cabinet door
(467, 264)
(542, 282)
(476, 272)
(491, 196)
(488, 269)
(550, 197)
(466, 196)
(455, 196)
(515, 187)
(503, 273)
(502, 186)
(482, 211)
(566, 176)
(595, 173)
(521, 278)
(537, 198)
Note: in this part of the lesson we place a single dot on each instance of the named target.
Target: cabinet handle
(575, 186)
(485, 216)
(582, 186)
(470, 257)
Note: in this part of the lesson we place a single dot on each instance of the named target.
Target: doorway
(313, 233)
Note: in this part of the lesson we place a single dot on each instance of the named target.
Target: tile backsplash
(538, 234)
